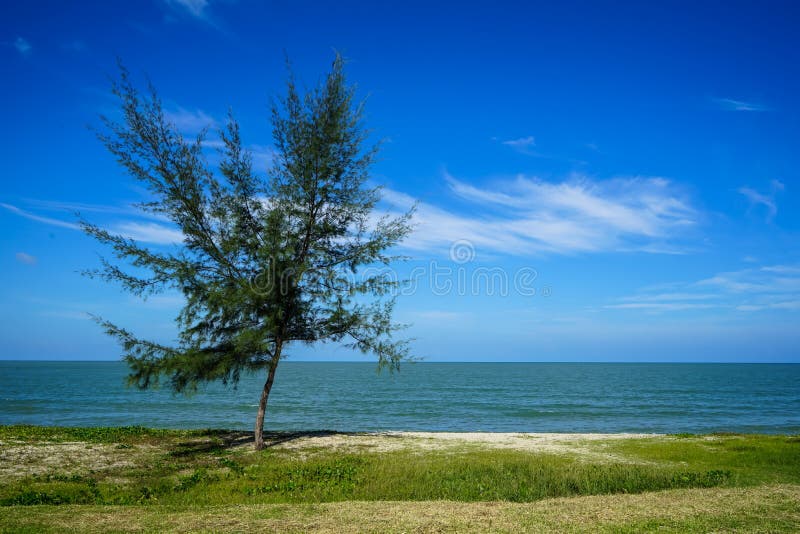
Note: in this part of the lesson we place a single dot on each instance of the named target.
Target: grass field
(136, 479)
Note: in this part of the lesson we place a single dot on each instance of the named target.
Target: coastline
(98, 479)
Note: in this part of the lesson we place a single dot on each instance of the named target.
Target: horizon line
(748, 362)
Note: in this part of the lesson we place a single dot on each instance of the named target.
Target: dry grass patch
(765, 509)
(69, 458)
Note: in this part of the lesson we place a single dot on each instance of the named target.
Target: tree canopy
(266, 260)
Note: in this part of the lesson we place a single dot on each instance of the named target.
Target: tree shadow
(272, 439)
(221, 440)
(211, 441)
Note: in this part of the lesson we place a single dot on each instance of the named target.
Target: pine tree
(266, 261)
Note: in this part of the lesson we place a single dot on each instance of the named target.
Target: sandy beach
(544, 442)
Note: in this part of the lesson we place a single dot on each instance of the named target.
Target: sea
(426, 396)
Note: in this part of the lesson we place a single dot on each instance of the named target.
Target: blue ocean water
(500, 397)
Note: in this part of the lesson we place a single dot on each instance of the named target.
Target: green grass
(217, 478)
(49, 469)
(754, 459)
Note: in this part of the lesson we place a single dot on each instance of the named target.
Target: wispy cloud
(669, 297)
(263, 155)
(74, 46)
(23, 46)
(527, 216)
(782, 305)
(767, 200)
(34, 217)
(772, 287)
(66, 314)
(521, 216)
(195, 8)
(523, 145)
(660, 306)
(769, 280)
(189, 122)
(782, 269)
(84, 207)
(739, 105)
(27, 259)
(147, 232)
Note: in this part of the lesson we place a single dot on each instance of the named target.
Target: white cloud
(39, 218)
(27, 259)
(767, 200)
(772, 287)
(757, 198)
(23, 46)
(195, 8)
(523, 144)
(263, 155)
(784, 305)
(783, 269)
(74, 46)
(524, 216)
(66, 314)
(739, 105)
(149, 233)
(669, 297)
(528, 216)
(189, 122)
(82, 207)
(769, 280)
(660, 306)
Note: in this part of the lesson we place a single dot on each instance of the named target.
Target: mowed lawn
(137, 479)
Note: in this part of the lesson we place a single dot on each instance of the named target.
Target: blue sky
(596, 181)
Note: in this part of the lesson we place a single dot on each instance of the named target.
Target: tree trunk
(262, 404)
